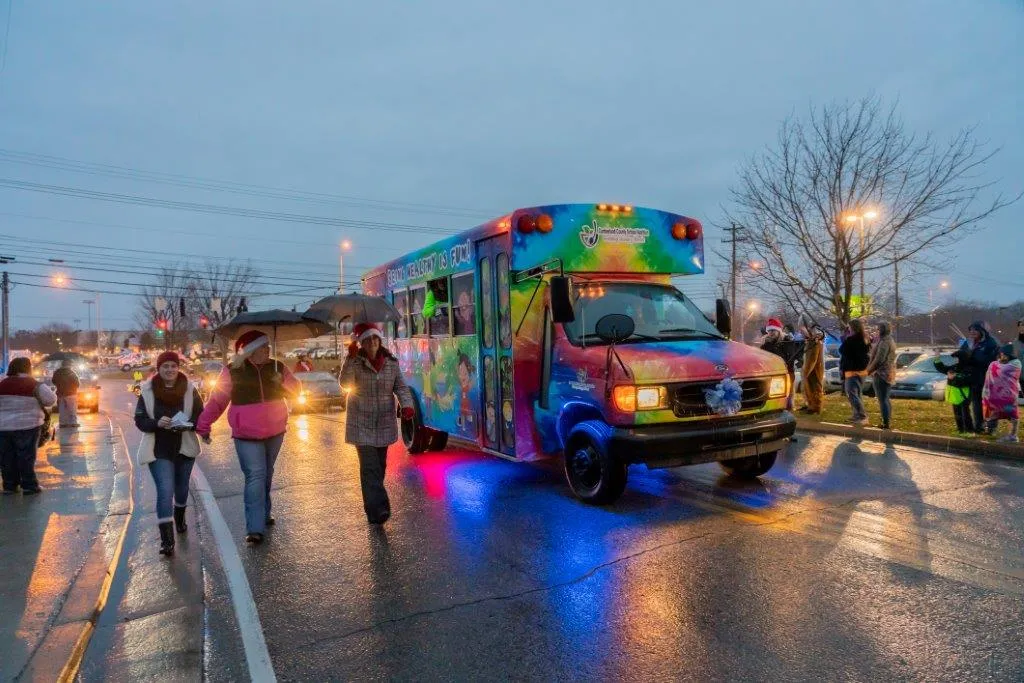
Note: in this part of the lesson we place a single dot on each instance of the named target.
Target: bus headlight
(629, 398)
(779, 386)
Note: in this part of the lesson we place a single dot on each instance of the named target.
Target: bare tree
(794, 202)
(218, 290)
(171, 285)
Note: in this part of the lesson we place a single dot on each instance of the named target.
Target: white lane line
(256, 655)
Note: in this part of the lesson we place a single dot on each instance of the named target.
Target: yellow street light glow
(870, 214)
(346, 245)
(60, 280)
(943, 284)
(852, 219)
(752, 306)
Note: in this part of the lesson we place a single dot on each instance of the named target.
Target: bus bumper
(673, 445)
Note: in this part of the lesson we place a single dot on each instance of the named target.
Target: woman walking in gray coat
(373, 374)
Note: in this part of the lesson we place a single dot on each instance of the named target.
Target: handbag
(46, 431)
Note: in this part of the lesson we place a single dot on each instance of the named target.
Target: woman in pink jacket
(255, 387)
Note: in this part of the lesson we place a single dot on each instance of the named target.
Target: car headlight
(212, 383)
(629, 398)
(779, 386)
(302, 398)
(347, 390)
(95, 378)
(90, 397)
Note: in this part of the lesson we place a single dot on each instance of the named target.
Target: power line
(262, 191)
(136, 294)
(216, 209)
(193, 233)
(7, 37)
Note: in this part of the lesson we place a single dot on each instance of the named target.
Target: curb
(945, 444)
(62, 649)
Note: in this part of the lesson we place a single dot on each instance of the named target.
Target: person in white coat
(169, 447)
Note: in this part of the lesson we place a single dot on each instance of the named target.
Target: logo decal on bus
(582, 382)
(592, 233)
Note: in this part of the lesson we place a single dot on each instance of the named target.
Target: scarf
(377, 363)
(170, 396)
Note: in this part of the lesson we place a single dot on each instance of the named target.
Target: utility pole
(5, 345)
(896, 306)
(734, 231)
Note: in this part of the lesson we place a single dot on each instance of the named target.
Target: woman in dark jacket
(375, 378)
(853, 364)
(168, 448)
(981, 350)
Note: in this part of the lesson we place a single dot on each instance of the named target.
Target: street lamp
(60, 280)
(752, 308)
(859, 218)
(345, 246)
(931, 312)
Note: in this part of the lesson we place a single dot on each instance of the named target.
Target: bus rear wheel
(438, 440)
(414, 435)
(593, 475)
(751, 466)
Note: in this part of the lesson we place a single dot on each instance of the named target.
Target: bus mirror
(561, 302)
(723, 317)
(615, 327)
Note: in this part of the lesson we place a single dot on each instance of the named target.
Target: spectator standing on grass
(958, 390)
(304, 364)
(981, 351)
(778, 342)
(999, 397)
(66, 381)
(22, 404)
(853, 364)
(1018, 347)
(813, 372)
(882, 368)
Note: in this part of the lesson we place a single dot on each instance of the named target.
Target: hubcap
(586, 467)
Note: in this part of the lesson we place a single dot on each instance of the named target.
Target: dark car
(320, 390)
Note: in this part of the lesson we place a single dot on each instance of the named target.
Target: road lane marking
(257, 656)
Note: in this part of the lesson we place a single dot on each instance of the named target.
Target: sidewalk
(56, 550)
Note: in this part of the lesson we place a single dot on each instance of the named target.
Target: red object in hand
(407, 413)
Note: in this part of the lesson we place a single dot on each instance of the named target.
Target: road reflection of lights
(302, 427)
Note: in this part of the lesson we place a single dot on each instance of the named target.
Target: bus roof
(587, 238)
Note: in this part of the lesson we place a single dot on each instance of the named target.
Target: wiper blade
(689, 332)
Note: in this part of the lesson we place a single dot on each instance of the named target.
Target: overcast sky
(480, 106)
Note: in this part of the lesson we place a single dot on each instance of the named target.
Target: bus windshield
(659, 312)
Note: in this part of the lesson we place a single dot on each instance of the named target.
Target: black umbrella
(64, 355)
(357, 308)
(277, 324)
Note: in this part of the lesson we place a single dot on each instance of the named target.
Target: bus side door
(496, 345)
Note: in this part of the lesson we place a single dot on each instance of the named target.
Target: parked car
(921, 380)
(320, 390)
(830, 363)
(204, 376)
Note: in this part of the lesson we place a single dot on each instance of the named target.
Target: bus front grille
(690, 400)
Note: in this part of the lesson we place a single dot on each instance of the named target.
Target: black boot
(166, 538)
(179, 519)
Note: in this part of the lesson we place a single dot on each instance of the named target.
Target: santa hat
(366, 330)
(773, 324)
(247, 343)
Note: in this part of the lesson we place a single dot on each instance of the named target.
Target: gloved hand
(407, 413)
(206, 438)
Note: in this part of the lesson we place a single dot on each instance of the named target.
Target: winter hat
(773, 324)
(247, 343)
(365, 330)
(1008, 351)
(167, 357)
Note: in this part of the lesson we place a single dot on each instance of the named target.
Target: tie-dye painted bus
(555, 331)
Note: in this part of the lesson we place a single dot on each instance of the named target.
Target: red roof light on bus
(526, 224)
(544, 223)
(694, 230)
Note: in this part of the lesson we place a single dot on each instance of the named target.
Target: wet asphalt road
(846, 562)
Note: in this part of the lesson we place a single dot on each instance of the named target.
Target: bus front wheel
(415, 436)
(751, 466)
(593, 475)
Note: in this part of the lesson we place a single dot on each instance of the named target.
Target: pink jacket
(252, 421)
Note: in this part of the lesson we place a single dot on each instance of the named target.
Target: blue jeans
(257, 459)
(854, 385)
(171, 478)
(882, 389)
(18, 459)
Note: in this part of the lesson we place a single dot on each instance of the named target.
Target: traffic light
(161, 326)
(204, 322)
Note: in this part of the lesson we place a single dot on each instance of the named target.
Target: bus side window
(417, 296)
(439, 320)
(463, 305)
(504, 305)
(401, 301)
